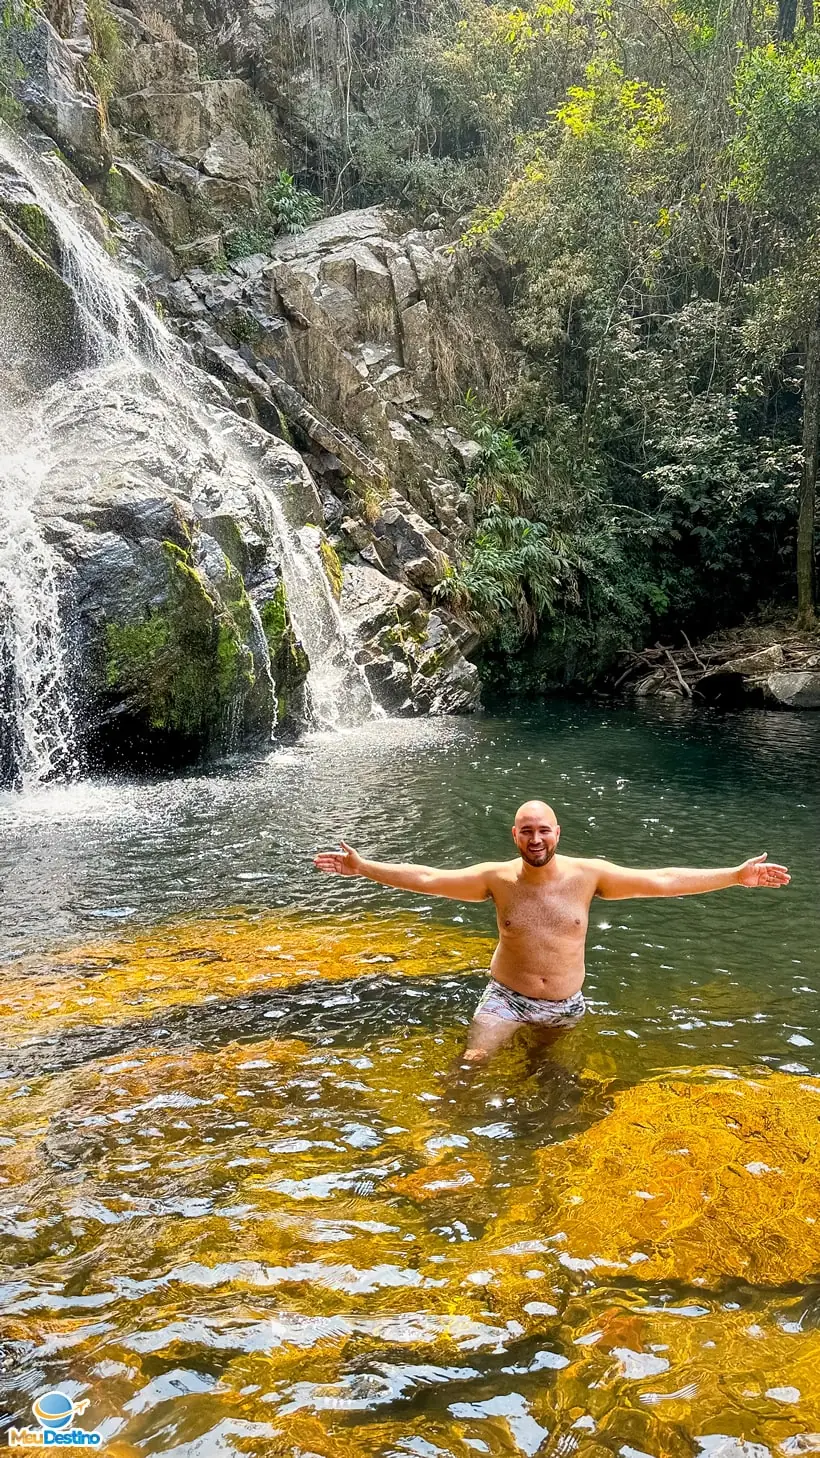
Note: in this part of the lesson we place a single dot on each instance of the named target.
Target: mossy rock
(332, 564)
(185, 663)
(116, 191)
(37, 227)
(39, 333)
(289, 661)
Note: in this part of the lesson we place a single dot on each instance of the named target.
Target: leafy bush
(285, 208)
(290, 208)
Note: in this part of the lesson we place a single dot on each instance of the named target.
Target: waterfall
(36, 726)
(338, 696)
(115, 318)
(37, 738)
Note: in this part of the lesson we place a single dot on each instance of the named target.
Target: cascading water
(37, 740)
(36, 726)
(114, 318)
(338, 697)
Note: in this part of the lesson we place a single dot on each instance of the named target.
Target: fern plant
(290, 208)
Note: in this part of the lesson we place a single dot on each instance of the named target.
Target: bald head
(535, 810)
(536, 832)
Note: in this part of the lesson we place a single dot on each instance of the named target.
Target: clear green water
(215, 1218)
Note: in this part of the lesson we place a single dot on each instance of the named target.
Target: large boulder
(766, 676)
(414, 658)
(794, 689)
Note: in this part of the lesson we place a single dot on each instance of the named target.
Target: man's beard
(543, 859)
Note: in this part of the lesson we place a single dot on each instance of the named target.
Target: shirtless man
(542, 903)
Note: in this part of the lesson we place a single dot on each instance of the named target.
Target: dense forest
(650, 172)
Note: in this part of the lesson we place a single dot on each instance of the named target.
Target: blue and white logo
(55, 1410)
(56, 1413)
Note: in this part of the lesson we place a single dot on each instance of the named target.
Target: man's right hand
(345, 862)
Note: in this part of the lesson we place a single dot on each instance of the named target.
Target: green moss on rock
(186, 661)
(36, 226)
(116, 192)
(333, 567)
(275, 619)
(288, 659)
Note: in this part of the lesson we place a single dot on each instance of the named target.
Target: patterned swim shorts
(499, 1001)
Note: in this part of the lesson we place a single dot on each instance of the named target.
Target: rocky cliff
(328, 358)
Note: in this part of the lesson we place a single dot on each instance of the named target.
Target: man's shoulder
(502, 870)
(585, 865)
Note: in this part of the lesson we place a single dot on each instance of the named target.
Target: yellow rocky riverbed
(234, 1237)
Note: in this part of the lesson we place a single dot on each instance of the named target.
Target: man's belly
(551, 972)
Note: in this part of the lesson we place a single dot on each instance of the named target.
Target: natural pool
(247, 1204)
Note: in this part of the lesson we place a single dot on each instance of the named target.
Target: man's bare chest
(524, 912)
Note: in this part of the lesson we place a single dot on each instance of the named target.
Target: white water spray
(339, 692)
(115, 318)
(36, 723)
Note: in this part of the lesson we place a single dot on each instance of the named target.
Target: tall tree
(778, 100)
(806, 573)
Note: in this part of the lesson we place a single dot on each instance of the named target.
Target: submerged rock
(697, 1182)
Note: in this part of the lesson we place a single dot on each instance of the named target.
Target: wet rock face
(330, 332)
(414, 657)
(339, 338)
(51, 88)
(34, 304)
(181, 615)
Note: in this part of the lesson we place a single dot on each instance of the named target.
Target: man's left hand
(759, 872)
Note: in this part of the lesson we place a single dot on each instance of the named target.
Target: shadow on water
(344, 1014)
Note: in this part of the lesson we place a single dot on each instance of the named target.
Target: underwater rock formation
(698, 1182)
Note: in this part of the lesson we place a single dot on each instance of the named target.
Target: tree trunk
(786, 20)
(808, 480)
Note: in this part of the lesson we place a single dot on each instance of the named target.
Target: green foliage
(250, 238)
(245, 326)
(777, 149)
(290, 208)
(642, 475)
(284, 208)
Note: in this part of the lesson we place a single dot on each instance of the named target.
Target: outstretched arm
(470, 884)
(619, 882)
